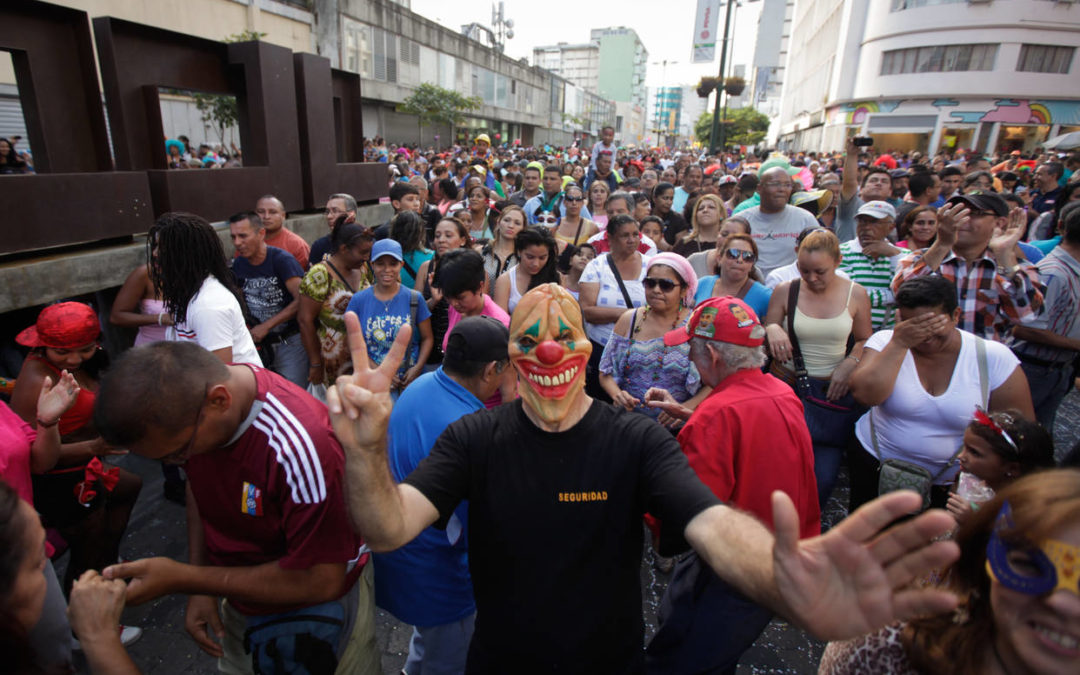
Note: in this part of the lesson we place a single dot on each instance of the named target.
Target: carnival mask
(1030, 569)
(549, 348)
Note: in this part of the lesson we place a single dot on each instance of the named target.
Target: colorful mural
(1004, 110)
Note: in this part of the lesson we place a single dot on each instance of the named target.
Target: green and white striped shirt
(875, 275)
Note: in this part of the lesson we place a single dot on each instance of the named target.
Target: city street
(157, 529)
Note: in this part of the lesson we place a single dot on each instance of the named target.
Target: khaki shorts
(358, 655)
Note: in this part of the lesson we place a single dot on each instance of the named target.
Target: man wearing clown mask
(557, 484)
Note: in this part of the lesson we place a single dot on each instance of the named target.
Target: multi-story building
(766, 79)
(612, 64)
(392, 48)
(667, 118)
(931, 74)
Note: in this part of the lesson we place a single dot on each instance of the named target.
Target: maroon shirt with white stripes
(275, 493)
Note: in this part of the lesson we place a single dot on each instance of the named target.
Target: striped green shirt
(875, 275)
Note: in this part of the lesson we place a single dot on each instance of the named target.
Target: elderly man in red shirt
(745, 440)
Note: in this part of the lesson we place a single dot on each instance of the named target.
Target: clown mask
(549, 348)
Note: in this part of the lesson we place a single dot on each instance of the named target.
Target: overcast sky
(664, 26)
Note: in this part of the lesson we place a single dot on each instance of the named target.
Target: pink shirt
(16, 437)
(490, 309)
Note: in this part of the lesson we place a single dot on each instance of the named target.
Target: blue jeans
(291, 361)
(1049, 385)
(440, 650)
(832, 426)
(705, 624)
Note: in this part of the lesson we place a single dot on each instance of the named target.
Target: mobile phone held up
(863, 141)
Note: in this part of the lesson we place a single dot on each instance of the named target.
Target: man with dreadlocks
(189, 266)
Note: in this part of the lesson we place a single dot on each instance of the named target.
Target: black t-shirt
(674, 224)
(320, 248)
(555, 537)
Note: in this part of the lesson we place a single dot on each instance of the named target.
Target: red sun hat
(65, 325)
(725, 319)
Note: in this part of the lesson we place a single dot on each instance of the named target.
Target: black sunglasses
(574, 199)
(735, 254)
(666, 285)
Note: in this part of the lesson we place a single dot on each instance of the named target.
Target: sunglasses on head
(735, 254)
(666, 285)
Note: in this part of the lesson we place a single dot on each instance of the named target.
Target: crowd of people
(478, 414)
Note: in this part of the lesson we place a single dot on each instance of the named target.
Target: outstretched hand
(855, 578)
(360, 403)
(55, 399)
(1006, 237)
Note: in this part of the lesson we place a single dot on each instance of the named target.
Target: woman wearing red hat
(87, 501)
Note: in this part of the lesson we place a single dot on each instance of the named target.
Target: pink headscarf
(682, 267)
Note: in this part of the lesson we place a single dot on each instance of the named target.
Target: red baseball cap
(65, 325)
(726, 319)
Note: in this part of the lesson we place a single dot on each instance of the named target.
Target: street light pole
(714, 134)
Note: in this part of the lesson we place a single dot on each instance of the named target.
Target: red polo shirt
(748, 438)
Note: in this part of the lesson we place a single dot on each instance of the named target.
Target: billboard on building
(706, 17)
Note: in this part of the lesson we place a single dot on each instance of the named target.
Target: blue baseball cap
(386, 247)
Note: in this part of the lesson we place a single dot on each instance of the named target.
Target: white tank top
(515, 295)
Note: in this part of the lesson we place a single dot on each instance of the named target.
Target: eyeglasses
(736, 254)
(574, 199)
(666, 285)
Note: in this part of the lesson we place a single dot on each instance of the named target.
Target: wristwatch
(1007, 271)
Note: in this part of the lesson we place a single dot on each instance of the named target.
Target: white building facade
(931, 75)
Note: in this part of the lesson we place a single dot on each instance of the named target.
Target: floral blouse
(638, 365)
(321, 285)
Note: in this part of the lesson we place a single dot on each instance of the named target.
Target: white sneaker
(129, 635)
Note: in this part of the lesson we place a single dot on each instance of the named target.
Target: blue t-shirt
(265, 291)
(757, 297)
(380, 322)
(426, 582)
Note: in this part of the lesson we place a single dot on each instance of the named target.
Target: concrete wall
(43, 280)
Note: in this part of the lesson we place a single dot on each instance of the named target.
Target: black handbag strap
(792, 305)
(618, 278)
(340, 275)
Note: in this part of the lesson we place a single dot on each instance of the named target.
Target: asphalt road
(157, 529)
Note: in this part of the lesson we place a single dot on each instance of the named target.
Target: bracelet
(42, 424)
(160, 314)
(853, 358)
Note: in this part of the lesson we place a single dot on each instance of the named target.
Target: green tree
(703, 127)
(218, 110)
(744, 126)
(434, 105)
